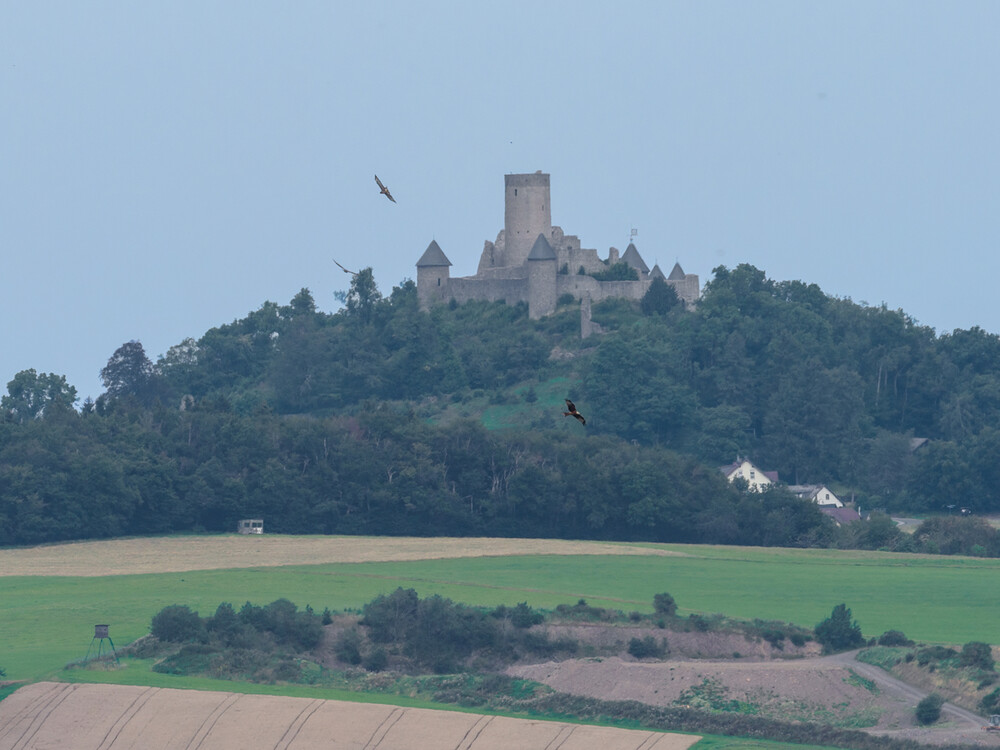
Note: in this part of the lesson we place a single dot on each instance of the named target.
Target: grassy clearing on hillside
(545, 411)
(48, 621)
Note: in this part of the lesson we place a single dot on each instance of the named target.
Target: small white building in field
(251, 526)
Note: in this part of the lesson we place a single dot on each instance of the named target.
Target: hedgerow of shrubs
(255, 643)
(439, 634)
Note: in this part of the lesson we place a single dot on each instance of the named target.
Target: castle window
(515, 192)
(439, 282)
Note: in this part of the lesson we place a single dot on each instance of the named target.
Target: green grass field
(48, 621)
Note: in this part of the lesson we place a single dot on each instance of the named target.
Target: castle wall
(580, 286)
(469, 288)
(540, 290)
(688, 289)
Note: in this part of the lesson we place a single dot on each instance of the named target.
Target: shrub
(934, 654)
(976, 654)
(664, 604)
(929, 709)
(348, 647)
(287, 671)
(582, 611)
(523, 616)
(647, 647)
(389, 618)
(774, 636)
(991, 702)
(191, 659)
(327, 618)
(838, 632)
(376, 660)
(177, 623)
(699, 623)
(894, 638)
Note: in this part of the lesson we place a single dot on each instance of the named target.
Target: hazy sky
(166, 167)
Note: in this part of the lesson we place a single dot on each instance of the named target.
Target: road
(906, 692)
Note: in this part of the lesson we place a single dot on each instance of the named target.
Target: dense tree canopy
(370, 420)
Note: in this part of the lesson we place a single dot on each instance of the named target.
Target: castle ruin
(533, 261)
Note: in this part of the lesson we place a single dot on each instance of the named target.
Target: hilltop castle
(532, 261)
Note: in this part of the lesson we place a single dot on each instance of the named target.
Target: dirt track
(120, 717)
(177, 554)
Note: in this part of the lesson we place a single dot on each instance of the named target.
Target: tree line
(336, 423)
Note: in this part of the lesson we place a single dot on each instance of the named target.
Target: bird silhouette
(573, 412)
(353, 273)
(384, 190)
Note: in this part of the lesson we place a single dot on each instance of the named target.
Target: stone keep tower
(527, 214)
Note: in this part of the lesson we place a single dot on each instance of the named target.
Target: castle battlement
(535, 262)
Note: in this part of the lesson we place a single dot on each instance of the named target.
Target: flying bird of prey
(353, 273)
(384, 190)
(573, 412)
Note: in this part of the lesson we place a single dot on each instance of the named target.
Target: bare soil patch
(816, 689)
(178, 554)
(79, 717)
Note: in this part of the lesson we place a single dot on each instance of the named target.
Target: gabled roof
(813, 491)
(729, 469)
(433, 256)
(840, 515)
(632, 257)
(806, 491)
(542, 250)
(656, 273)
(677, 274)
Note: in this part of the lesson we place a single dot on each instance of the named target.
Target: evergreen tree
(838, 632)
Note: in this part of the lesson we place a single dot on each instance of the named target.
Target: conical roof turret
(632, 257)
(542, 250)
(433, 256)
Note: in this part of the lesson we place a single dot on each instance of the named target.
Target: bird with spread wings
(353, 273)
(573, 412)
(384, 190)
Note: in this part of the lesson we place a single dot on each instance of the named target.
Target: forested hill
(384, 419)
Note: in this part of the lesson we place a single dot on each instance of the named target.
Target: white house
(818, 493)
(742, 468)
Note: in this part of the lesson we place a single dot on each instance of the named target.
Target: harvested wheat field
(178, 554)
(120, 717)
